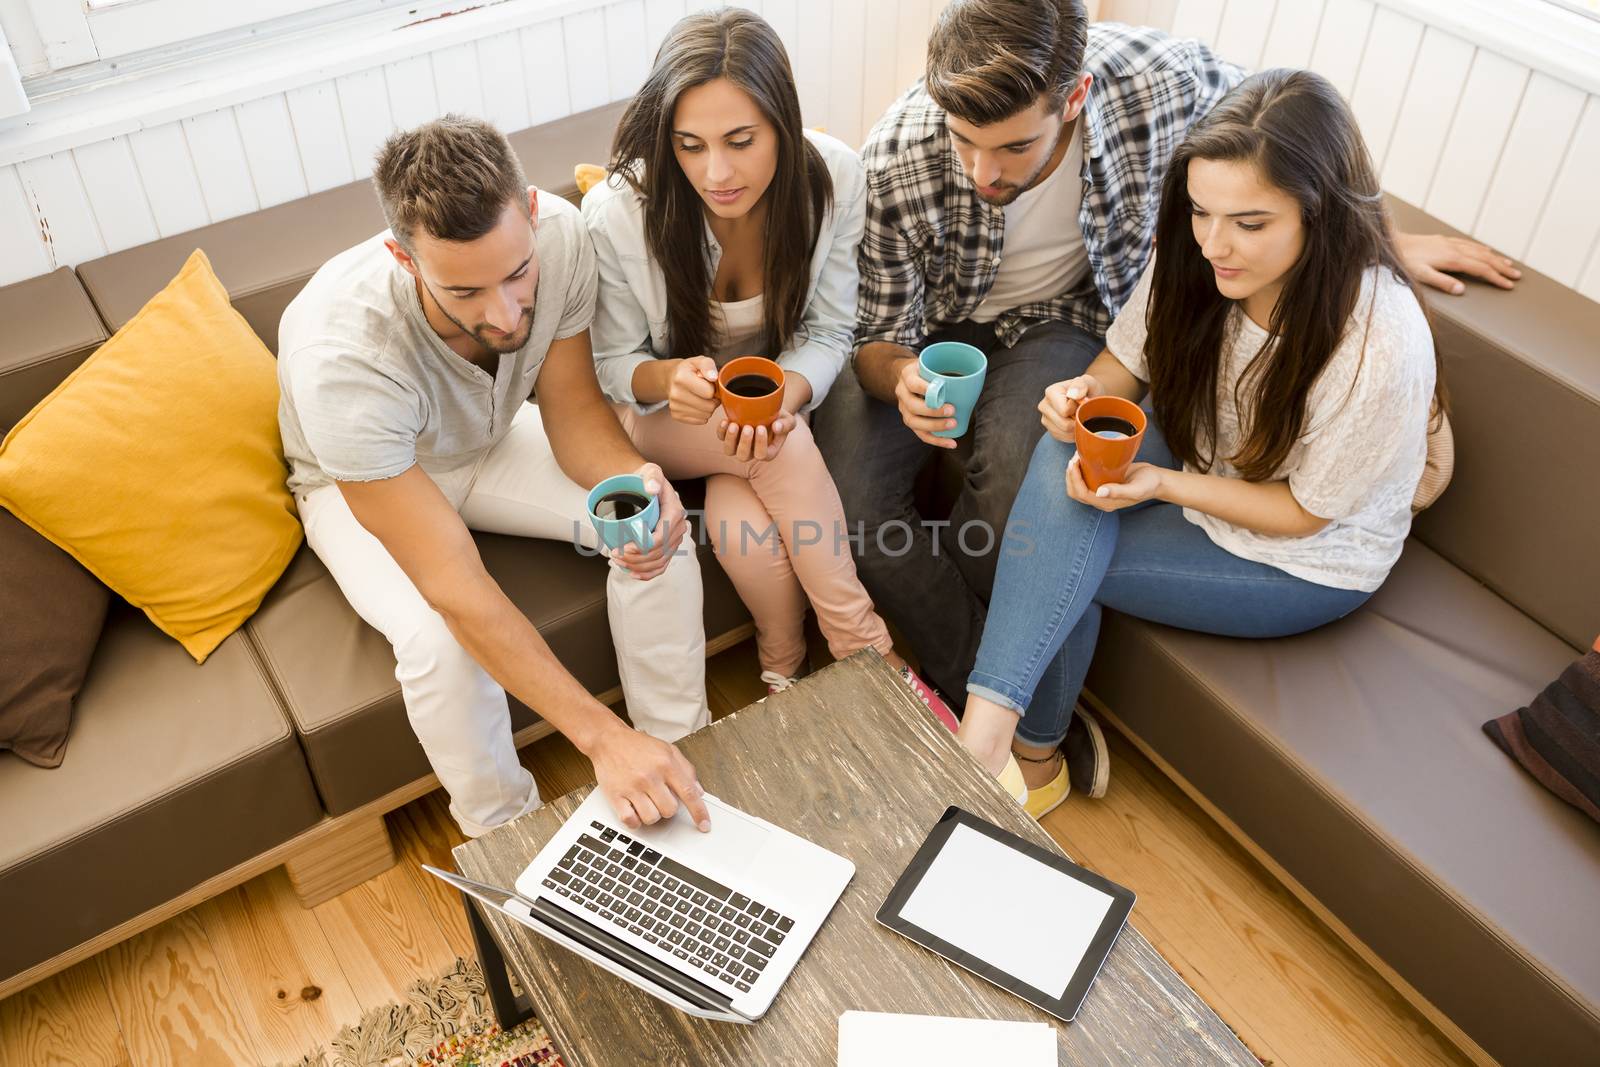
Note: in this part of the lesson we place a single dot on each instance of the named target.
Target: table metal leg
(509, 1010)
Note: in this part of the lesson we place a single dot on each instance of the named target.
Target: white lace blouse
(1361, 451)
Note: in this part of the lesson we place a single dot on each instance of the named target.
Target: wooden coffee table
(847, 758)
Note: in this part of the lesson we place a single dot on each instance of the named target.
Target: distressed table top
(848, 759)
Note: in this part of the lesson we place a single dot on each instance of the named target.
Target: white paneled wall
(1491, 146)
(1504, 152)
(851, 58)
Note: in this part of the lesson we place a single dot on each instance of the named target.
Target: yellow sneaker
(1044, 799)
(1011, 781)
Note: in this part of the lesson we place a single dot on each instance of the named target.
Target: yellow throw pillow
(157, 464)
(586, 176)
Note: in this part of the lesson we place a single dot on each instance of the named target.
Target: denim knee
(998, 469)
(1046, 479)
(1042, 510)
(1053, 456)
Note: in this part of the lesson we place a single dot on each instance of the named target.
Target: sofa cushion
(157, 464)
(265, 257)
(1556, 738)
(1354, 756)
(50, 328)
(176, 772)
(46, 641)
(1521, 514)
(336, 673)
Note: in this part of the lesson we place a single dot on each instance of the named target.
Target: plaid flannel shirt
(931, 246)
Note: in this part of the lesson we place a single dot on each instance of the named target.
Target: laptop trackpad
(731, 845)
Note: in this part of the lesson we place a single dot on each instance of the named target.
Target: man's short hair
(450, 179)
(990, 59)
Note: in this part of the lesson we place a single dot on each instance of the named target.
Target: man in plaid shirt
(1011, 199)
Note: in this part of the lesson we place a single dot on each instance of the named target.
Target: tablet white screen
(1007, 909)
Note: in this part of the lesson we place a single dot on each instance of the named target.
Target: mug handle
(935, 396)
(641, 537)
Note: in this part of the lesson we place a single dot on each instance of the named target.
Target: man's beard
(1008, 196)
(1011, 192)
(499, 343)
(503, 343)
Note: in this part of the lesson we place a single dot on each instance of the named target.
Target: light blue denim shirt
(630, 323)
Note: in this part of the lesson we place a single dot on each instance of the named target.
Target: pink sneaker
(777, 683)
(929, 696)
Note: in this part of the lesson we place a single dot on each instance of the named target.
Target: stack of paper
(880, 1039)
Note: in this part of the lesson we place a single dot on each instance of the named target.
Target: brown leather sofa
(1352, 761)
(181, 779)
(174, 772)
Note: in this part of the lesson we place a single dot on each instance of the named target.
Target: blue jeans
(933, 582)
(1062, 561)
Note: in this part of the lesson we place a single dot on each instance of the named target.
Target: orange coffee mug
(750, 389)
(1109, 432)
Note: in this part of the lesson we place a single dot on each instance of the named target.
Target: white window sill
(1542, 36)
(77, 116)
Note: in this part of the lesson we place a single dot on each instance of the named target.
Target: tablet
(1026, 919)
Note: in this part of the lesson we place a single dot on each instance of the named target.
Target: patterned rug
(445, 1022)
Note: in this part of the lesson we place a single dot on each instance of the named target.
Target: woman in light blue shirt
(726, 229)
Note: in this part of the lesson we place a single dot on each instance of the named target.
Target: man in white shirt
(995, 196)
(404, 367)
(1045, 255)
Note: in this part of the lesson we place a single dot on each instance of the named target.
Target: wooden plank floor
(251, 977)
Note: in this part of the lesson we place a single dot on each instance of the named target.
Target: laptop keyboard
(723, 934)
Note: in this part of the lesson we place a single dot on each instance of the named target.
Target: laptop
(710, 923)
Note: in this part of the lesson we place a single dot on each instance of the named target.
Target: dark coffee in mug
(623, 505)
(1110, 426)
(950, 373)
(751, 385)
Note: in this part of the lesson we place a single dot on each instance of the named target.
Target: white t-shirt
(737, 326)
(1362, 446)
(1042, 254)
(367, 388)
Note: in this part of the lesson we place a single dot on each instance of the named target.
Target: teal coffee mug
(954, 373)
(623, 513)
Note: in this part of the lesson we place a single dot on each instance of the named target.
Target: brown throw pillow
(1557, 737)
(48, 632)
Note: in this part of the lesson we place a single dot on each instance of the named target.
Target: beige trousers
(778, 529)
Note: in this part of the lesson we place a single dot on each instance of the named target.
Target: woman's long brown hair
(1295, 128)
(735, 44)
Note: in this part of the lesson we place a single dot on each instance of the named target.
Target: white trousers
(458, 712)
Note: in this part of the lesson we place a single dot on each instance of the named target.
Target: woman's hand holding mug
(760, 443)
(692, 393)
(1059, 408)
(755, 443)
(1143, 482)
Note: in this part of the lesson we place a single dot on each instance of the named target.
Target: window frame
(104, 100)
(13, 98)
(131, 26)
(74, 34)
(1586, 8)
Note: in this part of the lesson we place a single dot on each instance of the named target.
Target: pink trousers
(778, 529)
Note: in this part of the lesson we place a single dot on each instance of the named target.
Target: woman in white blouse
(1291, 373)
(726, 229)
